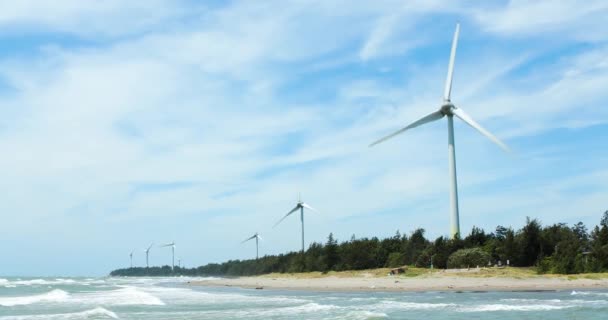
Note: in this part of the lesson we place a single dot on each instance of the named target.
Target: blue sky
(130, 123)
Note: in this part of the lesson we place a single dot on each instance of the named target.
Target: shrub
(395, 259)
(472, 257)
(545, 265)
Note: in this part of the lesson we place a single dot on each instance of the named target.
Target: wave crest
(96, 313)
(51, 296)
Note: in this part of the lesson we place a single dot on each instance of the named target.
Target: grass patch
(413, 272)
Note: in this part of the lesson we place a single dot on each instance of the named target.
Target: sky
(127, 123)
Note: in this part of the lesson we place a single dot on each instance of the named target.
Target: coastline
(437, 281)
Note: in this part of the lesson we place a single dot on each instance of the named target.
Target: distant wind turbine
(147, 251)
(299, 206)
(448, 109)
(257, 237)
(172, 245)
(131, 257)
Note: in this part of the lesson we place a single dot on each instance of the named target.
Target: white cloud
(561, 19)
(97, 135)
(92, 19)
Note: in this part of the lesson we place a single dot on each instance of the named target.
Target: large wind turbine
(257, 237)
(448, 109)
(172, 245)
(299, 206)
(147, 251)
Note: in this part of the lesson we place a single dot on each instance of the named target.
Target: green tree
(331, 252)
(529, 243)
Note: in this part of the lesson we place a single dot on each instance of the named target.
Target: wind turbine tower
(147, 251)
(131, 257)
(449, 110)
(172, 245)
(299, 206)
(257, 237)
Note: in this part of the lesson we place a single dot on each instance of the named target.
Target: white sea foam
(365, 315)
(50, 282)
(510, 307)
(307, 308)
(532, 300)
(156, 280)
(188, 296)
(52, 296)
(120, 297)
(558, 302)
(43, 282)
(402, 305)
(589, 293)
(96, 313)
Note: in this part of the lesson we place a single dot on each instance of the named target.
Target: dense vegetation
(557, 248)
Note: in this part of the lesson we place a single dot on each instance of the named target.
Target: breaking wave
(509, 307)
(51, 296)
(185, 295)
(120, 297)
(96, 313)
(49, 282)
(402, 305)
(589, 293)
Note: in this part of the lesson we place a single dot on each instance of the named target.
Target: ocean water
(172, 298)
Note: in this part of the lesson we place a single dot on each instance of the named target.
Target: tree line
(556, 248)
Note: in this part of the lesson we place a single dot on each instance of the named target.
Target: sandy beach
(437, 281)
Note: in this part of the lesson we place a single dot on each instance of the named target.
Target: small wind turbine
(448, 109)
(257, 237)
(172, 245)
(147, 251)
(299, 206)
(131, 257)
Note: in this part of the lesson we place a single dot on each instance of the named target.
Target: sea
(174, 298)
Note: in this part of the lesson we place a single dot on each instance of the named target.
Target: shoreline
(421, 283)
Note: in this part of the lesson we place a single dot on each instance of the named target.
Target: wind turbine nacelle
(446, 109)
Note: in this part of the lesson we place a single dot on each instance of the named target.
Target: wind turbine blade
(287, 215)
(309, 207)
(259, 237)
(252, 237)
(465, 117)
(150, 247)
(448, 81)
(426, 119)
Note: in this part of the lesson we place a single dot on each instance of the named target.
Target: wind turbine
(449, 110)
(172, 245)
(147, 251)
(299, 206)
(257, 237)
(131, 257)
